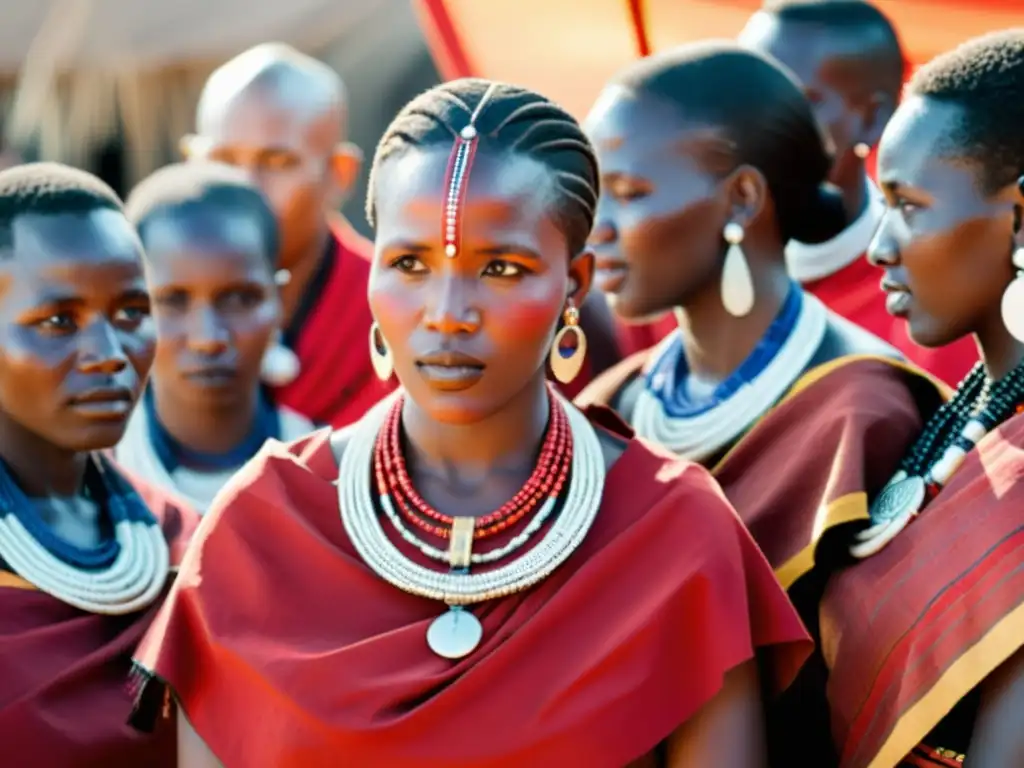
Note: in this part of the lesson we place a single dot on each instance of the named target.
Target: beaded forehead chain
(456, 181)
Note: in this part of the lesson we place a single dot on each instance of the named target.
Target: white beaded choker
(703, 435)
(130, 583)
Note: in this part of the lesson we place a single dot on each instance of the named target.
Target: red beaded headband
(457, 180)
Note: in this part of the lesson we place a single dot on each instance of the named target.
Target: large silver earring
(1012, 305)
(380, 354)
(570, 346)
(737, 284)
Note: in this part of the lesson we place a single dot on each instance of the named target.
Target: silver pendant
(898, 499)
(455, 634)
(891, 512)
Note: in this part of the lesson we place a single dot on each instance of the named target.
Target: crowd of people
(691, 435)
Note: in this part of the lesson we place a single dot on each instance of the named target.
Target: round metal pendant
(898, 499)
(454, 634)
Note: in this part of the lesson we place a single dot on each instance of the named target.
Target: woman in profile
(210, 241)
(476, 573)
(711, 161)
(923, 639)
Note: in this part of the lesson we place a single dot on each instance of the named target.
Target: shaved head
(852, 30)
(280, 76)
(847, 56)
(281, 115)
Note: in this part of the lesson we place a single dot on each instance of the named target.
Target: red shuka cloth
(853, 292)
(337, 384)
(861, 413)
(909, 632)
(285, 650)
(64, 673)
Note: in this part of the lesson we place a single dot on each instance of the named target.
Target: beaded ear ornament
(456, 181)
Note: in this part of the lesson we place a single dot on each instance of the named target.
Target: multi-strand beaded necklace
(979, 406)
(568, 477)
(541, 490)
(123, 575)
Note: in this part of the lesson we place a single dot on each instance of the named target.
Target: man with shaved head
(281, 116)
(847, 56)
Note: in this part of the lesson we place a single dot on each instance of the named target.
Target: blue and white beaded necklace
(698, 429)
(125, 573)
(172, 454)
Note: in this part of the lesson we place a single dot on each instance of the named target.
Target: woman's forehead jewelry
(460, 162)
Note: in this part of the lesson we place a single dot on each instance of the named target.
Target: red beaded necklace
(546, 481)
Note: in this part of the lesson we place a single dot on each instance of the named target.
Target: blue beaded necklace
(666, 379)
(172, 454)
(103, 485)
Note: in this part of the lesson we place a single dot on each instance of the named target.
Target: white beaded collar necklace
(807, 262)
(134, 579)
(705, 434)
(456, 633)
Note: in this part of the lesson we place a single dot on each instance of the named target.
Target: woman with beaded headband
(923, 637)
(711, 160)
(476, 573)
(83, 559)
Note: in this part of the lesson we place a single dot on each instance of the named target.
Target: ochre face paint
(456, 181)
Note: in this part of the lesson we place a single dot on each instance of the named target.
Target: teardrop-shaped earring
(280, 365)
(570, 346)
(1012, 305)
(380, 354)
(737, 284)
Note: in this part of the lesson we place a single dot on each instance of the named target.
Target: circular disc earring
(380, 354)
(737, 284)
(862, 150)
(570, 346)
(1012, 305)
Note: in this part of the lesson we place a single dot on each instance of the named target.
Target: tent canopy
(567, 49)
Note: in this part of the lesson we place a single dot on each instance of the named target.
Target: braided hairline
(576, 188)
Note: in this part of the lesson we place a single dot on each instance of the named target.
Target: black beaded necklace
(979, 406)
(977, 397)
